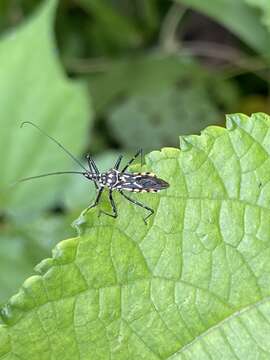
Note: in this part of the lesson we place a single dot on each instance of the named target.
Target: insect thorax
(109, 178)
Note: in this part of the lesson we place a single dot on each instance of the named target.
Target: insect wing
(151, 182)
(143, 182)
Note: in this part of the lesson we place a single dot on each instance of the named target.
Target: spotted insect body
(114, 179)
(133, 182)
(121, 181)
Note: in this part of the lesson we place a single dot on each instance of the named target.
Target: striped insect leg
(93, 167)
(135, 202)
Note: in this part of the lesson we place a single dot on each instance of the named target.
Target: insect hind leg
(135, 202)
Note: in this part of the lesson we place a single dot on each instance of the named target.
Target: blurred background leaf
(264, 7)
(34, 87)
(154, 119)
(239, 18)
(138, 75)
(31, 78)
(23, 244)
(107, 77)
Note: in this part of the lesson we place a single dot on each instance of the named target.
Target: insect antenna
(55, 141)
(48, 174)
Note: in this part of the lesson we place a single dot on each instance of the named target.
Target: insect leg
(135, 202)
(114, 214)
(92, 165)
(116, 166)
(96, 201)
(91, 169)
(139, 152)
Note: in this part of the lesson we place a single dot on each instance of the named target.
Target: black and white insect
(115, 179)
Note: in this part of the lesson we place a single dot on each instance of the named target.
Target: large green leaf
(192, 284)
(34, 87)
(238, 17)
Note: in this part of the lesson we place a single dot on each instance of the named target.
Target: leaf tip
(44, 266)
(185, 143)
(65, 251)
(169, 151)
(234, 120)
(9, 314)
(81, 223)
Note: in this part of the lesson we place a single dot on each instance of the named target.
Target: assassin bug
(113, 179)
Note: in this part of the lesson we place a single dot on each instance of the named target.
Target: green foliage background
(107, 78)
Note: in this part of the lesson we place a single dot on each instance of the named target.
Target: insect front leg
(135, 202)
(114, 209)
(92, 163)
(96, 201)
(93, 167)
(118, 161)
